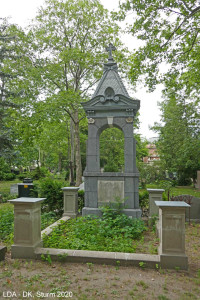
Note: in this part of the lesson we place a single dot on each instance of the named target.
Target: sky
(21, 13)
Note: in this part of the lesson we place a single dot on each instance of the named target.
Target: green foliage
(51, 190)
(150, 173)
(8, 93)
(6, 221)
(81, 194)
(143, 199)
(5, 173)
(112, 232)
(179, 137)
(168, 31)
(112, 150)
(48, 218)
(142, 264)
(39, 172)
(46, 258)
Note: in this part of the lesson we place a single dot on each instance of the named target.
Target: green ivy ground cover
(110, 233)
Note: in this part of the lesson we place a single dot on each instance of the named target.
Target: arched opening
(111, 150)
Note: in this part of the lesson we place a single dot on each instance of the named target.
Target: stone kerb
(70, 201)
(154, 195)
(172, 234)
(27, 227)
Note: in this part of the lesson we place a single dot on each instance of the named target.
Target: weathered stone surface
(110, 106)
(198, 180)
(154, 195)
(14, 189)
(100, 257)
(194, 210)
(27, 227)
(3, 251)
(70, 201)
(108, 191)
(172, 234)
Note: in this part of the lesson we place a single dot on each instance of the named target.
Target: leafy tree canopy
(169, 31)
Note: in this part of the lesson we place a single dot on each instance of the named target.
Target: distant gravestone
(14, 189)
(111, 106)
(198, 180)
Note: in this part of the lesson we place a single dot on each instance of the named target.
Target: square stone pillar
(27, 227)
(70, 201)
(154, 195)
(172, 234)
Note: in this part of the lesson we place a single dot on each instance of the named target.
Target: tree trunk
(71, 148)
(77, 151)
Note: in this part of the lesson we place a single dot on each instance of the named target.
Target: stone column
(27, 227)
(154, 195)
(70, 201)
(172, 234)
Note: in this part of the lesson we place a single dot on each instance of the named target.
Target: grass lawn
(179, 190)
(5, 186)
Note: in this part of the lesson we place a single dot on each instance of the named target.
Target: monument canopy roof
(111, 92)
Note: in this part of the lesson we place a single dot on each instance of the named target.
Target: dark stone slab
(3, 251)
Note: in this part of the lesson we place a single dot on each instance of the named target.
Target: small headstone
(14, 189)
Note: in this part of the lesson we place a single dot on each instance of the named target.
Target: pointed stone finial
(110, 48)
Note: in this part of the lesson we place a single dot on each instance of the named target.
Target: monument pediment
(102, 102)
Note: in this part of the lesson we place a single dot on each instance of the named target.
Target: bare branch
(71, 116)
(95, 81)
(173, 32)
(193, 42)
(185, 4)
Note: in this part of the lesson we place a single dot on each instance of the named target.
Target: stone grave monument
(111, 106)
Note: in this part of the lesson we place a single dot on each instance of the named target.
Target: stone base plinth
(27, 226)
(174, 261)
(22, 251)
(70, 214)
(133, 213)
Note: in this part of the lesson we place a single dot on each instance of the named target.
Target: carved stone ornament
(91, 121)
(129, 120)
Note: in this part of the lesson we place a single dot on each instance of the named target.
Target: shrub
(39, 172)
(24, 175)
(51, 190)
(5, 173)
(144, 199)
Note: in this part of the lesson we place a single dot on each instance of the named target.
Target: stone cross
(110, 49)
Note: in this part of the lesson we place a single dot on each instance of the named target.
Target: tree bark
(71, 147)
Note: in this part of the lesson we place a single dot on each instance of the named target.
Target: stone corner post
(154, 195)
(27, 227)
(172, 234)
(70, 201)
